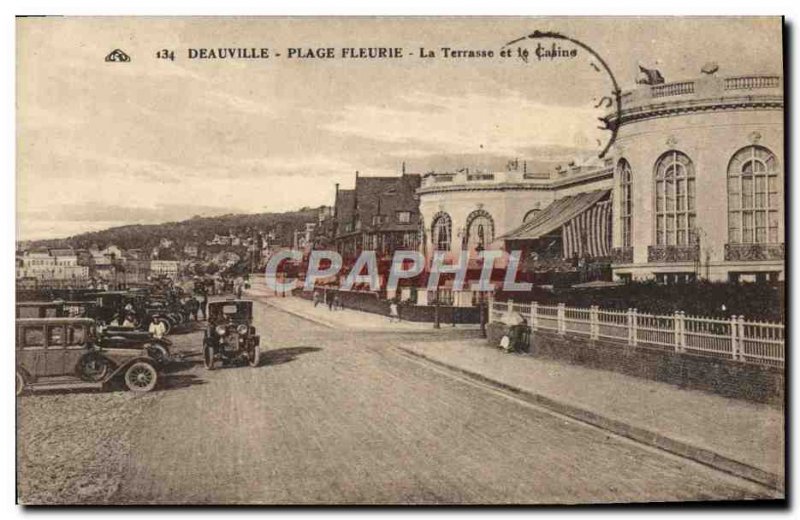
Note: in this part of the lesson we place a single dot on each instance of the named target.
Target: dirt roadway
(342, 418)
(337, 418)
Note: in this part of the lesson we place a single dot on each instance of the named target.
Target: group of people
(195, 306)
(328, 297)
(333, 300)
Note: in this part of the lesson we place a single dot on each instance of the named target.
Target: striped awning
(556, 215)
(584, 221)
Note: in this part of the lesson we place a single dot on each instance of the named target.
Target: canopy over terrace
(577, 225)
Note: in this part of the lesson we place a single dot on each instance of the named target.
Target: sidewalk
(740, 437)
(347, 319)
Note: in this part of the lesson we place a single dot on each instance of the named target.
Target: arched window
(441, 231)
(675, 208)
(530, 215)
(754, 197)
(480, 230)
(626, 201)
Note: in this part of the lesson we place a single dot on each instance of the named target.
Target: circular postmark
(602, 97)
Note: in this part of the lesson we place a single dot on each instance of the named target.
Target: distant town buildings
(164, 268)
(56, 264)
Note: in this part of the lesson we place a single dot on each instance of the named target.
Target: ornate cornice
(606, 173)
(683, 107)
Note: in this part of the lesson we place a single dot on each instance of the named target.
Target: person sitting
(129, 321)
(157, 329)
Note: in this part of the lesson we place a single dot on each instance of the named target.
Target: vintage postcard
(400, 260)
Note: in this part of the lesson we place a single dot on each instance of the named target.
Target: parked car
(129, 338)
(54, 309)
(54, 353)
(230, 335)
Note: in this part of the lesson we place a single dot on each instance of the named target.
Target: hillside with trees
(196, 230)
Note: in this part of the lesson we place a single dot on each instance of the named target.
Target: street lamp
(436, 323)
(481, 300)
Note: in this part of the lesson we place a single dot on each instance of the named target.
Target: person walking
(194, 306)
(394, 312)
(203, 305)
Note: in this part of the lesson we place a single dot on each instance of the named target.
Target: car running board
(51, 385)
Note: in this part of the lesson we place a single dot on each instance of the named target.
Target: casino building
(699, 179)
(691, 188)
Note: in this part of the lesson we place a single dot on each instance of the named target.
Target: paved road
(331, 417)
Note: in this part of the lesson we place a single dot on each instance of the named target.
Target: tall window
(480, 230)
(675, 209)
(626, 201)
(754, 200)
(441, 231)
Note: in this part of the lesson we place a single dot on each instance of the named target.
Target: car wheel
(141, 377)
(20, 383)
(208, 357)
(255, 356)
(158, 352)
(167, 325)
(93, 368)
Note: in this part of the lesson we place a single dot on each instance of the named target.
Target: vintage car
(55, 353)
(146, 307)
(54, 309)
(129, 338)
(230, 335)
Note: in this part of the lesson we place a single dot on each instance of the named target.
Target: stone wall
(725, 377)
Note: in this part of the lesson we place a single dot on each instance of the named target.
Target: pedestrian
(316, 297)
(394, 313)
(329, 298)
(202, 308)
(194, 305)
(337, 302)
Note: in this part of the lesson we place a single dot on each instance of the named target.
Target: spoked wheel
(255, 356)
(20, 383)
(141, 377)
(208, 357)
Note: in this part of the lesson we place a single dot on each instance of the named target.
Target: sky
(105, 144)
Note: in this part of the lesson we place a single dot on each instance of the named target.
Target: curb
(654, 439)
(335, 326)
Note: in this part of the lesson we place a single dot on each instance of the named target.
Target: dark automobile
(230, 335)
(54, 309)
(55, 353)
(129, 338)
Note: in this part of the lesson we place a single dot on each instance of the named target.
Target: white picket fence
(747, 341)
